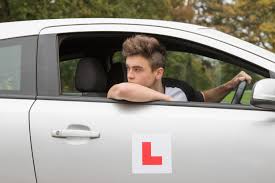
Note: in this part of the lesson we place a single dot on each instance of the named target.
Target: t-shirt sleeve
(190, 92)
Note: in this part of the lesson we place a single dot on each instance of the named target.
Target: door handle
(75, 133)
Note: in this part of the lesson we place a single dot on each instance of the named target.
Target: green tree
(252, 21)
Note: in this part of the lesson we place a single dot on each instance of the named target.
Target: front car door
(83, 139)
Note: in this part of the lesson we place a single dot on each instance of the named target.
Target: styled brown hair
(146, 46)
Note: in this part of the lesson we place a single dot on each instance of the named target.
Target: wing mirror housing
(263, 94)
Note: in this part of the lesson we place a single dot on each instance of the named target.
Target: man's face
(139, 71)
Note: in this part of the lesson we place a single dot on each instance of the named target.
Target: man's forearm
(216, 94)
(135, 93)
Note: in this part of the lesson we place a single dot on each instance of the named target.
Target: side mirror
(263, 94)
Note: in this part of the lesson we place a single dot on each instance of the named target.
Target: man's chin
(134, 82)
(142, 84)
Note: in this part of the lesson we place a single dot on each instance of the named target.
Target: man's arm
(135, 93)
(218, 93)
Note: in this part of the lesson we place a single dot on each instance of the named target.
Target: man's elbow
(118, 91)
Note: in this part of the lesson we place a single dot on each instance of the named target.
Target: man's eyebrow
(135, 66)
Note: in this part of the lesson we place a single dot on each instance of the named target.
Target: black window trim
(48, 66)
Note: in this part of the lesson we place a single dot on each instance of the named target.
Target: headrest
(117, 74)
(90, 76)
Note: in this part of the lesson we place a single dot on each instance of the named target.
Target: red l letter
(147, 159)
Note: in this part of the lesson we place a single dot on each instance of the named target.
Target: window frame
(50, 88)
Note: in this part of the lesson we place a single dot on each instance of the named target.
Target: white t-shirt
(176, 93)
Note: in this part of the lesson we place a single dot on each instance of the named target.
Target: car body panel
(10, 29)
(15, 155)
(218, 145)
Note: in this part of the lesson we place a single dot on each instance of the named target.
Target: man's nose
(130, 74)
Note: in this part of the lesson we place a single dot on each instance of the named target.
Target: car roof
(33, 27)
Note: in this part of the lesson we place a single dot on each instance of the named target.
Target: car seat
(91, 77)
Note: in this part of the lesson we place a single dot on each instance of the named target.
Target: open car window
(202, 72)
(200, 66)
(67, 77)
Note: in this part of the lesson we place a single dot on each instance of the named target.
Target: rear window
(10, 70)
(17, 66)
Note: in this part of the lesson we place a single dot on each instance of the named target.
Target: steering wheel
(239, 93)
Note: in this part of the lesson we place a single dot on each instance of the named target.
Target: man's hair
(146, 46)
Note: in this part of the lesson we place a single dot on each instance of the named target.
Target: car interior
(96, 72)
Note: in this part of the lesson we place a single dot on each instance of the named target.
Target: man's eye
(137, 69)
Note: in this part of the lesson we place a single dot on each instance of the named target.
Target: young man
(145, 62)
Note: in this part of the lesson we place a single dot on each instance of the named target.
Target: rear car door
(17, 94)
(84, 139)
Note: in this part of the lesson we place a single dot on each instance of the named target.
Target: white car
(58, 126)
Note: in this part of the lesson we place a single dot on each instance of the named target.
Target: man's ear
(159, 73)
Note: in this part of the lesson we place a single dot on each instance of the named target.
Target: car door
(17, 94)
(93, 139)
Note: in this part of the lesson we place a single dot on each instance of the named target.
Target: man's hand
(233, 83)
(218, 93)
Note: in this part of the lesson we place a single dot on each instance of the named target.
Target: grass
(245, 99)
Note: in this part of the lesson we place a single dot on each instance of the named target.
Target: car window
(10, 72)
(202, 72)
(67, 77)
(200, 66)
(87, 81)
(17, 66)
